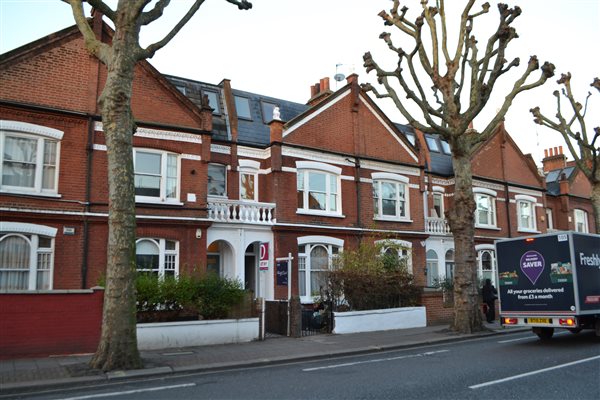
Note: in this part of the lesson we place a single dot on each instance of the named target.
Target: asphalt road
(515, 366)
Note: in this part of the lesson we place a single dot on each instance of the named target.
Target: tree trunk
(118, 342)
(467, 316)
(596, 203)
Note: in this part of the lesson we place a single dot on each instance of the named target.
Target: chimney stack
(554, 159)
(319, 91)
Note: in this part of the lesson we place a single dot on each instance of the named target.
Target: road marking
(529, 337)
(539, 371)
(154, 389)
(429, 353)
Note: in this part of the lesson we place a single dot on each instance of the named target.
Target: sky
(280, 48)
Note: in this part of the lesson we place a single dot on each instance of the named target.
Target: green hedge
(368, 279)
(208, 296)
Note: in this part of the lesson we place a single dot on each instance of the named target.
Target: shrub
(208, 296)
(367, 278)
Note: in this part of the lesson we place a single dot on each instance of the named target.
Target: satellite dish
(339, 77)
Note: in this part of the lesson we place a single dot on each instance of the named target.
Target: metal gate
(317, 321)
(276, 317)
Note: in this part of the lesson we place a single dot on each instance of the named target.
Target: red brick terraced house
(213, 183)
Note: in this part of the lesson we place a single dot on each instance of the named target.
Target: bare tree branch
(103, 8)
(101, 50)
(155, 13)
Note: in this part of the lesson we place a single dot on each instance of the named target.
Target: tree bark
(467, 316)
(118, 341)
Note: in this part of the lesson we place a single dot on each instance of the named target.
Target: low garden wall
(164, 335)
(379, 320)
(50, 322)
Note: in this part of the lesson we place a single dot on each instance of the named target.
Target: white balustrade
(438, 226)
(241, 212)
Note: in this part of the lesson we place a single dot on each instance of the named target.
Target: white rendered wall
(379, 320)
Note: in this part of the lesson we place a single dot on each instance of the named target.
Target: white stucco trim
(481, 247)
(397, 242)
(248, 165)
(525, 198)
(485, 191)
(318, 166)
(389, 176)
(33, 229)
(25, 127)
(438, 189)
(321, 239)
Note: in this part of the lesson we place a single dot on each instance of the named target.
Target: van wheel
(544, 333)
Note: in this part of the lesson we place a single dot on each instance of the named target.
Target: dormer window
(242, 106)
(432, 144)
(213, 101)
(267, 111)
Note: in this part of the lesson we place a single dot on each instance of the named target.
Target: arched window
(26, 256)
(315, 257)
(450, 264)
(157, 256)
(432, 268)
(486, 261)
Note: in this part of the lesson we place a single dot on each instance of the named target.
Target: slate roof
(256, 131)
(441, 162)
(553, 178)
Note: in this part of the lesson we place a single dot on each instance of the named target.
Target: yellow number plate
(538, 320)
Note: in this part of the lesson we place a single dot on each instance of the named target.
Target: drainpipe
(88, 188)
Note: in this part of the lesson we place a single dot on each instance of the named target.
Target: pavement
(25, 375)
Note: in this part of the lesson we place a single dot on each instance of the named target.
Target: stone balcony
(237, 211)
(437, 226)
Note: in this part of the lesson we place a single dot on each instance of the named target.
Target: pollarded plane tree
(584, 146)
(461, 84)
(118, 341)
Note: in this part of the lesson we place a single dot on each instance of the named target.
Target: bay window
(156, 176)
(318, 188)
(390, 196)
(526, 213)
(315, 258)
(581, 221)
(29, 157)
(485, 213)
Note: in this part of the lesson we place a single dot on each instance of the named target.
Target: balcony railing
(437, 226)
(241, 212)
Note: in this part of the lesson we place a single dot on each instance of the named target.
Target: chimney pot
(556, 151)
(545, 153)
(324, 84)
(560, 149)
(352, 78)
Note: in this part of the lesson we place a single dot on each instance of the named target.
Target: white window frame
(581, 217)
(400, 181)
(549, 219)
(491, 250)
(438, 191)
(42, 135)
(31, 233)
(491, 195)
(310, 242)
(162, 255)
(331, 174)
(433, 268)
(249, 168)
(162, 198)
(403, 247)
(224, 168)
(531, 201)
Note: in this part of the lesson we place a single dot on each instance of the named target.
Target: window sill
(158, 202)
(524, 230)
(389, 219)
(320, 214)
(491, 228)
(36, 194)
(216, 197)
